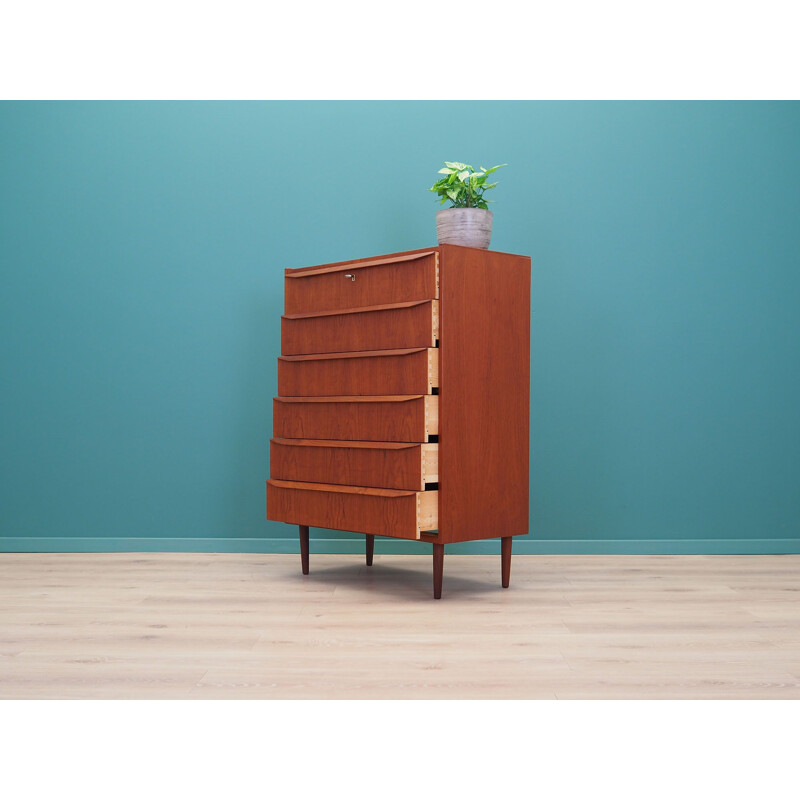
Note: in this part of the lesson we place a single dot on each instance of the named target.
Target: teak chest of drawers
(403, 404)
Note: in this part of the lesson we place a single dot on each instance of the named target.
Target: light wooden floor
(251, 626)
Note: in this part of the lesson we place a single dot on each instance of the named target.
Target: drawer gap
(430, 487)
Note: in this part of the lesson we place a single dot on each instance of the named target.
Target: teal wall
(142, 247)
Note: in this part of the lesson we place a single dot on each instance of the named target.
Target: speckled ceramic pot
(471, 227)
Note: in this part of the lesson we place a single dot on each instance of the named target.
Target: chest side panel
(484, 394)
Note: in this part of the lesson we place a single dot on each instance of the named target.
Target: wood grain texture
(385, 512)
(388, 465)
(382, 419)
(387, 327)
(406, 277)
(430, 463)
(484, 394)
(427, 510)
(240, 626)
(374, 372)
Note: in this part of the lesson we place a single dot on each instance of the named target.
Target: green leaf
(463, 186)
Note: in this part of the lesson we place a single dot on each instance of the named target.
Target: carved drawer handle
(350, 275)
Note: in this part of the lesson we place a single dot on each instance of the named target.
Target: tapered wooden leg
(438, 568)
(304, 548)
(505, 548)
(370, 548)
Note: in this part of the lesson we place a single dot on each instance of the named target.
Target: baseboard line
(522, 546)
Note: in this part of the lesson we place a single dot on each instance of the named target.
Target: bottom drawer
(383, 512)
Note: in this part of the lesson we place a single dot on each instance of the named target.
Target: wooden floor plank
(189, 625)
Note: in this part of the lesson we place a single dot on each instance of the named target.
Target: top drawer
(401, 278)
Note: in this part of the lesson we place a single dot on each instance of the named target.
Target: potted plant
(468, 221)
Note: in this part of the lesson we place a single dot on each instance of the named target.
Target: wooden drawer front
(385, 465)
(395, 279)
(378, 328)
(376, 419)
(376, 372)
(384, 512)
